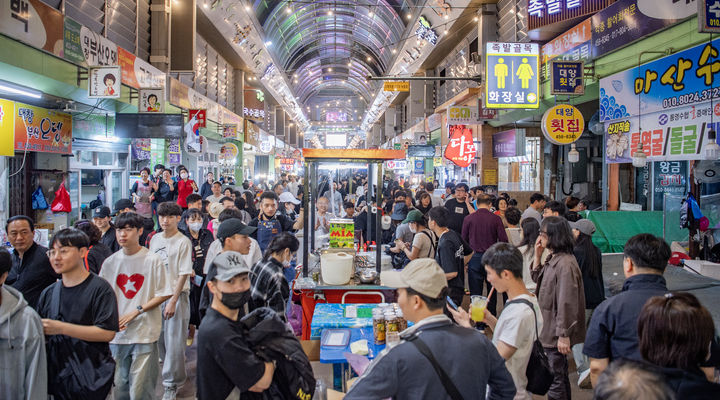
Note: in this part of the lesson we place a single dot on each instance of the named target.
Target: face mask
(235, 300)
(413, 230)
(286, 263)
(195, 226)
(183, 175)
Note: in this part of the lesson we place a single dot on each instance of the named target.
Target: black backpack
(270, 338)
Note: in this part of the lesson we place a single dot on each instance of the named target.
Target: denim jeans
(137, 370)
(171, 345)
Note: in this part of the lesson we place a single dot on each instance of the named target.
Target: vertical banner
(7, 115)
(173, 151)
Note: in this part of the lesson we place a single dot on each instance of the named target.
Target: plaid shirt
(269, 288)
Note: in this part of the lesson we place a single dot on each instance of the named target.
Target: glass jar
(402, 322)
(391, 322)
(378, 326)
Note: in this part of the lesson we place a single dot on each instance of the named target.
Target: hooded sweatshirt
(23, 366)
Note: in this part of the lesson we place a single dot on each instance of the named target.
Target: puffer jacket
(23, 366)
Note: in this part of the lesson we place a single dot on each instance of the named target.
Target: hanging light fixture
(712, 149)
(573, 154)
(639, 159)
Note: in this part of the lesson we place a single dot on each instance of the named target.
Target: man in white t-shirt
(216, 195)
(514, 331)
(175, 249)
(140, 283)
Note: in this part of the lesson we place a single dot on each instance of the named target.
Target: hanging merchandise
(61, 203)
(38, 199)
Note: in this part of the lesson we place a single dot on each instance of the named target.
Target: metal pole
(605, 184)
(313, 199)
(421, 78)
(378, 219)
(306, 225)
(368, 202)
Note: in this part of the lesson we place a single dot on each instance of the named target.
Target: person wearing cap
(403, 372)
(402, 229)
(589, 260)
(233, 236)
(141, 284)
(226, 366)
(460, 206)
(612, 331)
(123, 206)
(288, 205)
(101, 219)
(424, 242)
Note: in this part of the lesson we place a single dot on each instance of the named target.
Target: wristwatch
(140, 309)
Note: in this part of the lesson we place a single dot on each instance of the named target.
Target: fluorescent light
(23, 92)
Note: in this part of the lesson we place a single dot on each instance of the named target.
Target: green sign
(73, 46)
(342, 233)
(398, 146)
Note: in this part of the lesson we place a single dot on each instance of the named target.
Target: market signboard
(396, 164)
(461, 148)
(33, 22)
(562, 124)
(626, 21)
(567, 77)
(104, 83)
(545, 12)
(573, 45)
(97, 49)
(668, 135)
(72, 48)
(7, 119)
(138, 73)
(396, 86)
(670, 177)
(151, 100)
(229, 151)
(41, 130)
(511, 73)
(504, 144)
(708, 16)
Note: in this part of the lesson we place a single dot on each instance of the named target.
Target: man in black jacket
(403, 372)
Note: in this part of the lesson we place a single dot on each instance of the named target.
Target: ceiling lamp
(573, 154)
(371, 14)
(330, 13)
(639, 159)
(712, 149)
(288, 10)
(330, 69)
(409, 16)
(368, 58)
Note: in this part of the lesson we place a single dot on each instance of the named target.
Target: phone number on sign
(691, 98)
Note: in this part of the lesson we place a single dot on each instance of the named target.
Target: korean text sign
(573, 45)
(567, 77)
(42, 130)
(562, 124)
(504, 144)
(709, 16)
(461, 148)
(511, 73)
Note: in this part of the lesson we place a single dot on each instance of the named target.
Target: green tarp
(614, 228)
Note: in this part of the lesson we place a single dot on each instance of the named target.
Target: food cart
(362, 285)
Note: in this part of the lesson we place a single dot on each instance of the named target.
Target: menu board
(342, 233)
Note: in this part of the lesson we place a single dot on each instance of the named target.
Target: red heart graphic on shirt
(130, 285)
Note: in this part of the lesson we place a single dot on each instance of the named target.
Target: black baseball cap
(233, 226)
(101, 212)
(123, 204)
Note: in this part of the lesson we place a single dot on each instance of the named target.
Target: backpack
(270, 338)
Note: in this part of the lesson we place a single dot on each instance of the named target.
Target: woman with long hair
(530, 231)
(675, 333)
(424, 203)
(250, 204)
(561, 297)
(268, 286)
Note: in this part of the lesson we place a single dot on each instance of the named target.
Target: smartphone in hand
(451, 303)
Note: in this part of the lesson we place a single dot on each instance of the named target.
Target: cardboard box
(312, 349)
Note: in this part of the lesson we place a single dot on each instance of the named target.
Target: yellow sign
(562, 124)
(437, 162)
(396, 86)
(7, 132)
(490, 177)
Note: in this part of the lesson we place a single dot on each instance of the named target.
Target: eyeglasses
(64, 252)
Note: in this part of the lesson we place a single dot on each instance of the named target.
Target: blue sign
(567, 77)
(512, 75)
(626, 21)
(420, 166)
(709, 16)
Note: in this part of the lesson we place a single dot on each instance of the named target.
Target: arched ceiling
(329, 45)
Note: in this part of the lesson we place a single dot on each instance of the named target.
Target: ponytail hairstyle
(281, 242)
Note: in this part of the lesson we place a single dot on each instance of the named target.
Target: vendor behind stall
(270, 223)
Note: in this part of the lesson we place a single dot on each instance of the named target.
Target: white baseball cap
(287, 197)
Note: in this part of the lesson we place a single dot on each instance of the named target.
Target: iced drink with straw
(478, 305)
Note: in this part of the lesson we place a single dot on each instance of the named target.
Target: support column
(389, 123)
(613, 190)
(416, 104)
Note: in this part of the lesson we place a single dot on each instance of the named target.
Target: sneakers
(584, 381)
(170, 393)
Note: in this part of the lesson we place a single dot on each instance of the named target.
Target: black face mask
(235, 300)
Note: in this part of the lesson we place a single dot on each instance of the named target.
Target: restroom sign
(511, 75)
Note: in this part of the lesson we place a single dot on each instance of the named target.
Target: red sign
(138, 73)
(485, 114)
(200, 115)
(461, 149)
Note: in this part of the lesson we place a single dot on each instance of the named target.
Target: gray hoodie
(23, 366)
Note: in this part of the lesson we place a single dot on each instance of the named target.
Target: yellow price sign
(396, 86)
(562, 124)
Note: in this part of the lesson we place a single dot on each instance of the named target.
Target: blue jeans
(137, 370)
(477, 281)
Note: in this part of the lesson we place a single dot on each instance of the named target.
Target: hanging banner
(573, 45)
(671, 135)
(200, 116)
(547, 12)
(567, 77)
(708, 16)
(682, 79)
(626, 21)
(396, 164)
(419, 166)
(7, 120)
(141, 149)
(562, 124)
(511, 73)
(104, 83)
(72, 47)
(151, 100)
(229, 151)
(138, 73)
(396, 86)
(252, 133)
(174, 156)
(504, 144)
(42, 130)
(461, 148)
(98, 50)
(229, 131)
(33, 22)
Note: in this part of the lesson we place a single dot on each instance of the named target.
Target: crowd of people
(115, 300)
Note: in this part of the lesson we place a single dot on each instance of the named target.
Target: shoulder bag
(538, 372)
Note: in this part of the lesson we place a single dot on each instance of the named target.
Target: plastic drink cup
(478, 304)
